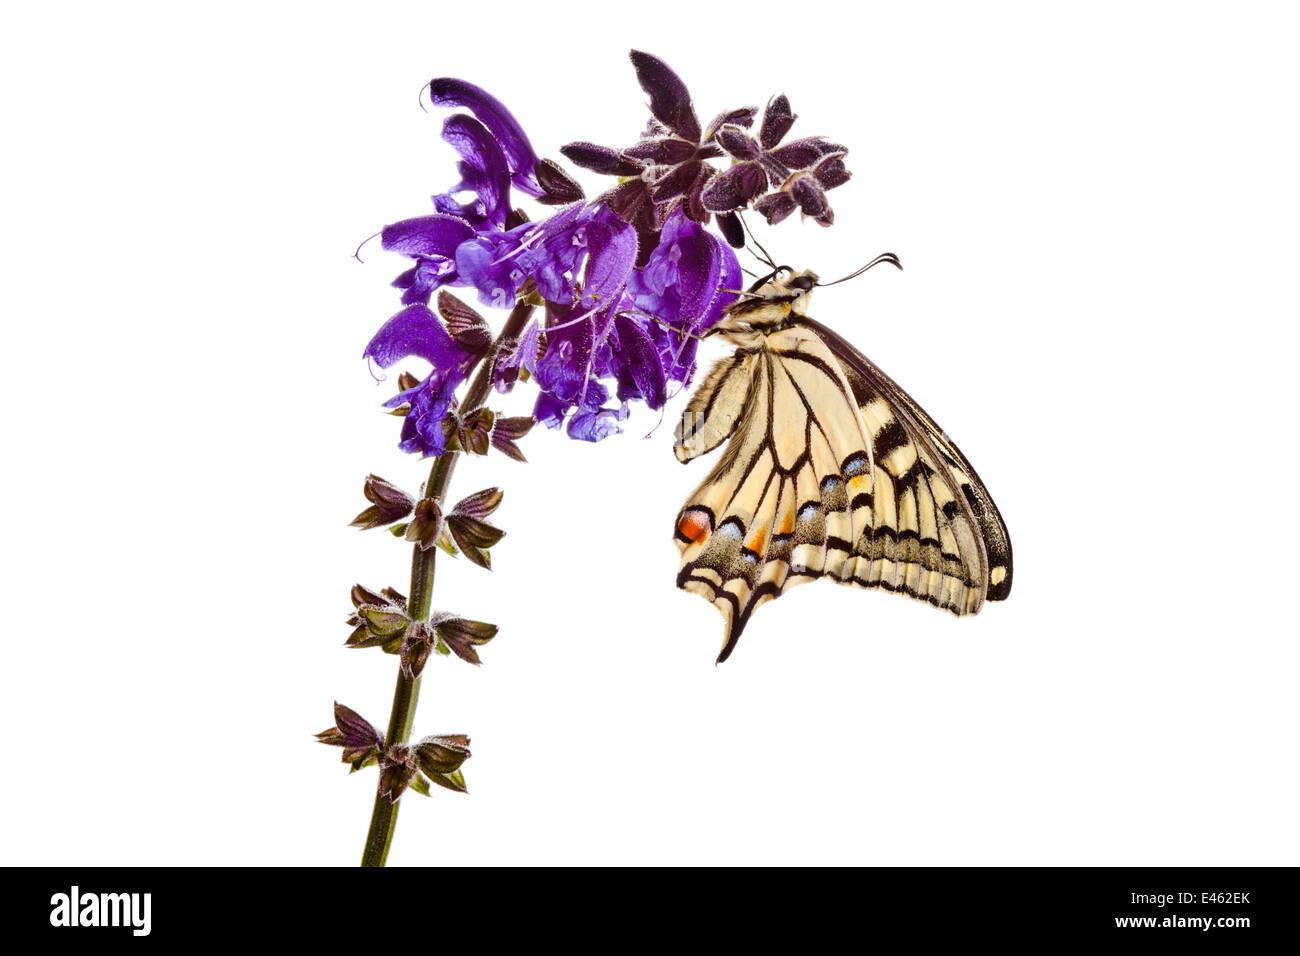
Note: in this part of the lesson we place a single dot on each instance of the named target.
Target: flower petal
(705, 263)
(414, 331)
(594, 425)
(643, 373)
(436, 235)
(482, 168)
(447, 91)
(612, 248)
(486, 265)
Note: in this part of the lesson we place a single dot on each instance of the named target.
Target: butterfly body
(830, 470)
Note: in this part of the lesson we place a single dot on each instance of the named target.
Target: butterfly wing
(895, 419)
(821, 477)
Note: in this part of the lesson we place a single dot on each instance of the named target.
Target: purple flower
(432, 241)
(483, 171)
(628, 281)
(506, 131)
(417, 331)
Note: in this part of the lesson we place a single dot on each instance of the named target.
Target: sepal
(389, 504)
(437, 756)
(397, 767)
(427, 525)
(360, 741)
(507, 431)
(466, 326)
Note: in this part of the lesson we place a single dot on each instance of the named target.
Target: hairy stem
(383, 819)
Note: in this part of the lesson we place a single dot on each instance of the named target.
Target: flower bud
(777, 120)
(559, 186)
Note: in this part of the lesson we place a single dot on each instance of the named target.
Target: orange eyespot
(694, 526)
(757, 542)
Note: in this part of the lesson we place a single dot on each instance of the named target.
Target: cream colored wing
(811, 485)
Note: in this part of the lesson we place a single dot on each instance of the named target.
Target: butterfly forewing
(831, 470)
(874, 390)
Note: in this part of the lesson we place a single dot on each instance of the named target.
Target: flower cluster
(626, 283)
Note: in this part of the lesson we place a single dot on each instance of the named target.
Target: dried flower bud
(600, 159)
(832, 172)
(734, 188)
(777, 120)
(810, 196)
(426, 526)
(775, 206)
(732, 230)
(559, 186)
(360, 741)
(390, 504)
(670, 101)
(738, 143)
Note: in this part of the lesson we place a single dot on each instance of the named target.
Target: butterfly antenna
(357, 255)
(768, 261)
(883, 257)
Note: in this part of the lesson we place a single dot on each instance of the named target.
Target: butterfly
(830, 470)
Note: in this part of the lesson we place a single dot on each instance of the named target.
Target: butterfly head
(787, 287)
(771, 301)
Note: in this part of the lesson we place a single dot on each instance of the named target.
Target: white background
(1097, 212)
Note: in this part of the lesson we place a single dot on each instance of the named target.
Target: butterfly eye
(803, 283)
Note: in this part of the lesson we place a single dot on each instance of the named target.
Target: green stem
(383, 819)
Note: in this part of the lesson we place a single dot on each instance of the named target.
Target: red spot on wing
(694, 526)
